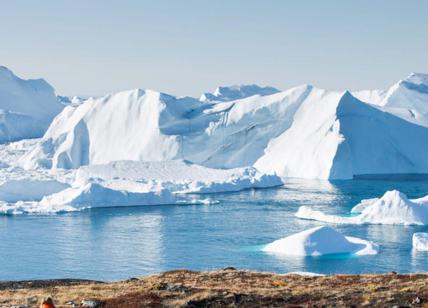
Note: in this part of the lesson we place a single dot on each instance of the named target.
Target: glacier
(320, 241)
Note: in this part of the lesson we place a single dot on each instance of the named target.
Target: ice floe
(393, 208)
(121, 183)
(320, 241)
(179, 176)
(420, 241)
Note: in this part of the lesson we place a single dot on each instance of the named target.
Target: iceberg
(120, 183)
(320, 241)
(27, 107)
(411, 95)
(420, 241)
(303, 132)
(337, 136)
(144, 125)
(393, 208)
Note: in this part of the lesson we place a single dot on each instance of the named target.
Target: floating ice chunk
(89, 196)
(33, 207)
(363, 205)
(305, 212)
(121, 183)
(320, 241)
(394, 208)
(420, 241)
(179, 176)
(29, 189)
(97, 195)
(17, 184)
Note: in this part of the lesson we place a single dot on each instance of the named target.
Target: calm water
(118, 243)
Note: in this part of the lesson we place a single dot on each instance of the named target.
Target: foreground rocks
(228, 287)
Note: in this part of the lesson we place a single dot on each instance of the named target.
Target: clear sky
(94, 47)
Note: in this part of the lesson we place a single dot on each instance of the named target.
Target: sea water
(122, 242)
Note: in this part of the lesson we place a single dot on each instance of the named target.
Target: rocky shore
(227, 287)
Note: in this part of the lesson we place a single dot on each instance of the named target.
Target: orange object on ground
(47, 303)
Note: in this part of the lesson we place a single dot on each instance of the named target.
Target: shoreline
(226, 287)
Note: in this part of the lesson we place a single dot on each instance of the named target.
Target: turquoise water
(118, 243)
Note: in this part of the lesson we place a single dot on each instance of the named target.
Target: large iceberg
(394, 208)
(27, 107)
(144, 125)
(303, 132)
(336, 136)
(320, 241)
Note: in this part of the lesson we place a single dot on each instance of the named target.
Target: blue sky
(187, 47)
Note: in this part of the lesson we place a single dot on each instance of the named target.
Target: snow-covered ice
(336, 136)
(27, 107)
(303, 132)
(393, 208)
(143, 142)
(320, 241)
(120, 183)
(145, 125)
(17, 184)
(420, 241)
(180, 176)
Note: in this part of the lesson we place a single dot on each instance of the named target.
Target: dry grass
(228, 288)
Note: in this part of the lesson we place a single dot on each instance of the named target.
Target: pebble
(89, 303)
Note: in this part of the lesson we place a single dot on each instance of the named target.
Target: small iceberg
(394, 208)
(320, 241)
(420, 241)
